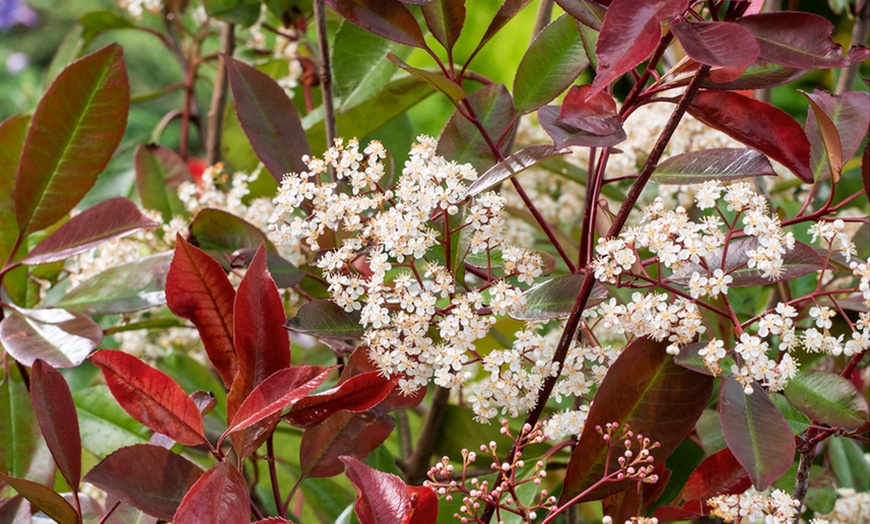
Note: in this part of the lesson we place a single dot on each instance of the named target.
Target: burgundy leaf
(387, 18)
(691, 510)
(586, 12)
(510, 166)
(151, 397)
(159, 171)
(757, 124)
(344, 433)
(150, 478)
(54, 408)
(44, 498)
(564, 136)
(723, 44)
(57, 336)
(274, 520)
(756, 432)
(630, 33)
(647, 390)
(220, 495)
(596, 114)
(384, 498)
(825, 147)
(445, 18)
(726, 163)
(268, 118)
(359, 393)
(849, 113)
(359, 363)
(198, 289)
(424, 505)
(718, 474)
(114, 218)
(262, 343)
(73, 133)
(794, 39)
(205, 402)
(865, 169)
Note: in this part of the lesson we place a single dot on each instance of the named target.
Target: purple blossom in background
(13, 12)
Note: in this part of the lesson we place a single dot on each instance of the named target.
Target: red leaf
(220, 495)
(647, 390)
(358, 363)
(718, 474)
(76, 127)
(198, 289)
(630, 33)
(444, 18)
(261, 341)
(353, 434)
(824, 141)
(722, 44)
(689, 511)
(564, 136)
(268, 118)
(424, 505)
(113, 218)
(60, 337)
(159, 171)
(150, 478)
(385, 499)
(865, 170)
(757, 124)
(595, 114)
(281, 390)
(850, 114)
(358, 393)
(387, 18)
(794, 39)
(56, 412)
(756, 432)
(44, 498)
(151, 397)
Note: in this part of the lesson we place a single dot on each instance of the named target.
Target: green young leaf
(19, 432)
(828, 398)
(242, 12)
(795, 418)
(555, 298)
(96, 22)
(12, 132)
(105, 426)
(325, 319)
(437, 81)
(697, 167)
(849, 464)
(554, 60)
(159, 171)
(71, 138)
(220, 233)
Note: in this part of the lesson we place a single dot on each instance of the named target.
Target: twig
(545, 13)
(219, 98)
(418, 464)
(325, 72)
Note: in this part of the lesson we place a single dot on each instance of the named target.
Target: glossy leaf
(757, 124)
(220, 233)
(756, 432)
(56, 412)
(719, 474)
(262, 344)
(358, 393)
(325, 319)
(125, 288)
(723, 44)
(444, 18)
(462, 142)
(647, 390)
(437, 81)
(387, 18)
(198, 289)
(62, 338)
(797, 420)
(555, 58)
(512, 165)
(113, 218)
(566, 135)
(824, 142)
(219, 495)
(150, 478)
(589, 13)
(827, 398)
(849, 464)
(344, 433)
(281, 390)
(726, 163)
(105, 426)
(74, 130)
(383, 497)
(794, 39)
(630, 33)
(44, 498)
(269, 119)
(159, 171)
(19, 429)
(151, 397)
(555, 298)
(596, 114)
(12, 132)
(850, 115)
(360, 65)
(505, 13)
(759, 75)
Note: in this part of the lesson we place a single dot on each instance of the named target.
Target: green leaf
(555, 298)
(12, 131)
(242, 12)
(19, 431)
(462, 141)
(727, 163)
(96, 22)
(437, 81)
(220, 233)
(105, 426)
(827, 398)
(360, 65)
(43, 498)
(554, 60)
(325, 319)
(71, 138)
(756, 432)
(126, 288)
(849, 464)
(796, 420)
(159, 171)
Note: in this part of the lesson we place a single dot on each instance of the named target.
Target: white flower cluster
(565, 424)
(852, 507)
(137, 8)
(832, 234)
(759, 367)
(755, 507)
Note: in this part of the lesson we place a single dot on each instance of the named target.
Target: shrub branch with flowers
(656, 280)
